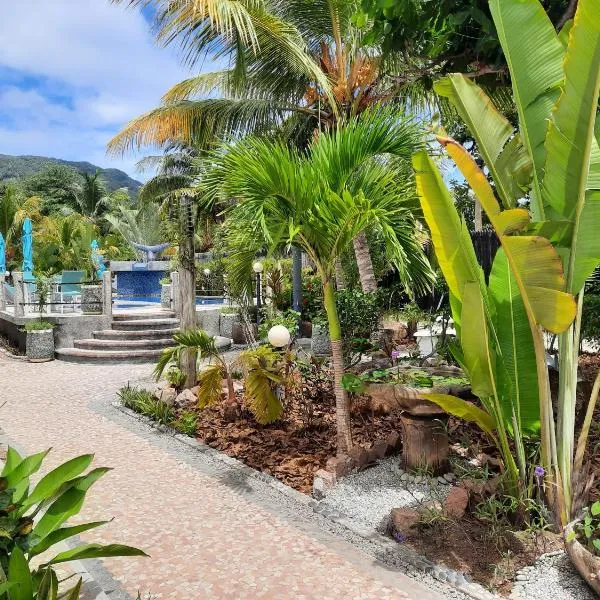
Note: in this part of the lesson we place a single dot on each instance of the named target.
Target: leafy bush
(38, 326)
(186, 423)
(176, 377)
(312, 295)
(270, 317)
(142, 401)
(590, 319)
(587, 531)
(32, 524)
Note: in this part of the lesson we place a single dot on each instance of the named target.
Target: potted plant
(583, 545)
(91, 293)
(40, 341)
(165, 292)
(229, 316)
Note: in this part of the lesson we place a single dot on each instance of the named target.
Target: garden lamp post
(279, 336)
(257, 268)
(207, 275)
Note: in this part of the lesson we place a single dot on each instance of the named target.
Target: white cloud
(79, 70)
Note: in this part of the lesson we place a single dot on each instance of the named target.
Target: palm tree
(320, 201)
(294, 66)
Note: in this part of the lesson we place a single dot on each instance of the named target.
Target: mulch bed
(292, 449)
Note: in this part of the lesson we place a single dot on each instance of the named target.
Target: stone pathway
(210, 535)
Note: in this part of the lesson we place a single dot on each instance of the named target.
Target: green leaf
(596, 544)
(25, 468)
(5, 587)
(13, 458)
(73, 593)
(451, 240)
(69, 503)
(51, 482)
(95, 551)
(48, 588)
(464, 410)
(508, 162)
(535, 60)
(518, 382)
(478, 355)
(64, 533)
(19, 574)
(595, 509)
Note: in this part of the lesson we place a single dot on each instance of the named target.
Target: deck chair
(69, 288)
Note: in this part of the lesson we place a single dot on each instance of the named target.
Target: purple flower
(395, 354)
(399, 537)
(539, 471)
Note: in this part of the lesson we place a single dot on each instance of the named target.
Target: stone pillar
(107, 293)
(19, 294)
(175, 295)
(2, 293)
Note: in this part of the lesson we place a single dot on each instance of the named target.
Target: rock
(402, 519)
(195, 390)
(359, 455)
(394, 440)
(456, 503)
(380, 448)
(340, 465)
(404, 477)
(443, 480)
(185, 400)
(322, 482)
(450, 477)
(167, 395)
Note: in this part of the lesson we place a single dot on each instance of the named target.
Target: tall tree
(320, 201)
(297, 67)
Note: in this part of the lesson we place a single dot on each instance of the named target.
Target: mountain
(14, 167)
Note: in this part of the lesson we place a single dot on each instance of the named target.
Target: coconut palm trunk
(366, 274)
(187, 285)
(342, 405)
(340, 277)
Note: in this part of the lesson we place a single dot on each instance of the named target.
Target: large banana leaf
(535, 61)
(535, 264)
(517, 381)
(504, 155)
(572, 175)
(453, 246)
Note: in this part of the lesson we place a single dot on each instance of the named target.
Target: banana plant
(33, 521)
(553, 161)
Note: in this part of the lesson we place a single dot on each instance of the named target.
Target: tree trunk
(342, 406)
(340, 278)
(297, 278)
(478, 216)
(364, 263)
(187, 285)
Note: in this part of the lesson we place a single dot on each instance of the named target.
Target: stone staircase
(134, 337)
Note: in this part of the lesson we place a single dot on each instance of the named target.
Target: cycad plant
(320, 201)
(553, 162)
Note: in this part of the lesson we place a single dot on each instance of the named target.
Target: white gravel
(368, 496)
(552, 577)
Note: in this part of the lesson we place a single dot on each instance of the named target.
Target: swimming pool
(127, 301)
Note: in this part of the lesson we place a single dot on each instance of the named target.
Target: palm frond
(210, 381)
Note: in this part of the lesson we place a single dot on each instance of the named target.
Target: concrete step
(146, 334)
(116, 344)
(107, 356)
(137, 324)
(143, 315)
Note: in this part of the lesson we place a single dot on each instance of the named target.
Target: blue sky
(72, 73)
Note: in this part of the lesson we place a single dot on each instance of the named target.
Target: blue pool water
(126, 300)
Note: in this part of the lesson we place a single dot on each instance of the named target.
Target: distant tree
(56, 185)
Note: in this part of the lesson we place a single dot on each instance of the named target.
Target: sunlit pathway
(207, 537)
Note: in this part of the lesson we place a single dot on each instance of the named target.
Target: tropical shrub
(38, 325)
(587, 530)
(33, 522)
(546, 254)
(290, 319)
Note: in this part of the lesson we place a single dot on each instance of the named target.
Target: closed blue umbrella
(97, 259)
(2, 257)
(27, 250)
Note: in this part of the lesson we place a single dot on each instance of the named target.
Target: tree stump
(425, 443)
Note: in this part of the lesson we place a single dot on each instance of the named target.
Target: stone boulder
(167, 395)
(185, 400)
(456, 503)
(402, 519)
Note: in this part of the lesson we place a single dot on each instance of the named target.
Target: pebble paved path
(207, 537)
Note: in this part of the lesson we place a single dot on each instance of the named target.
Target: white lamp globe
(279, 336)
(207, 272)
(257, 267)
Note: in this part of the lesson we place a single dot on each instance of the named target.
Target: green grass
(142, 401)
